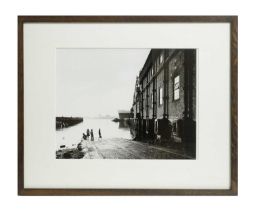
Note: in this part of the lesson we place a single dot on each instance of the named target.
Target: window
(160, 96)
(174, 128)
(177, 87)
(161, 58)
(152, 100)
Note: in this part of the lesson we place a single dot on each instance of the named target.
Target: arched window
(160, 96)
(161, 58)
(177, 87)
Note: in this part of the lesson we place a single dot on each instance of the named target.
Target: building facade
(164, 101)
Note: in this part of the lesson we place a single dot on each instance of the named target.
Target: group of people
(90, 133)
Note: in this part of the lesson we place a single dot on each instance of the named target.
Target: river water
(71, 136)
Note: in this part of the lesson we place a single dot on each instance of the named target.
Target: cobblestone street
(126, 149)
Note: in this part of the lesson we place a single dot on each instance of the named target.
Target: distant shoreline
(65, 122)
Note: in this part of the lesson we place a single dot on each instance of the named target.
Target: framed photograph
(127, 105)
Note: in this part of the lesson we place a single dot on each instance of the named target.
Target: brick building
(164, 101)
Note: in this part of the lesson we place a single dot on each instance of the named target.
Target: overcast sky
(96, 81)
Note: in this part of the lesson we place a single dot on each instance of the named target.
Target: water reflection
(123, 125)
(71, 136)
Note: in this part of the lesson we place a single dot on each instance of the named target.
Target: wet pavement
(126, 149)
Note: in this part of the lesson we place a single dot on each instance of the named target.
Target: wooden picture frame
(232, 20)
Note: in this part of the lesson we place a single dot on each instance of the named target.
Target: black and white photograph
(125, 103)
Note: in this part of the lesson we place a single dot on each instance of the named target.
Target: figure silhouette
(100, 133)
(92, 137)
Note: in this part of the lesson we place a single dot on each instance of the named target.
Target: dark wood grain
(125, 19)
(20, 108)
(233, 20)
(120, 192)
(234, 104)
